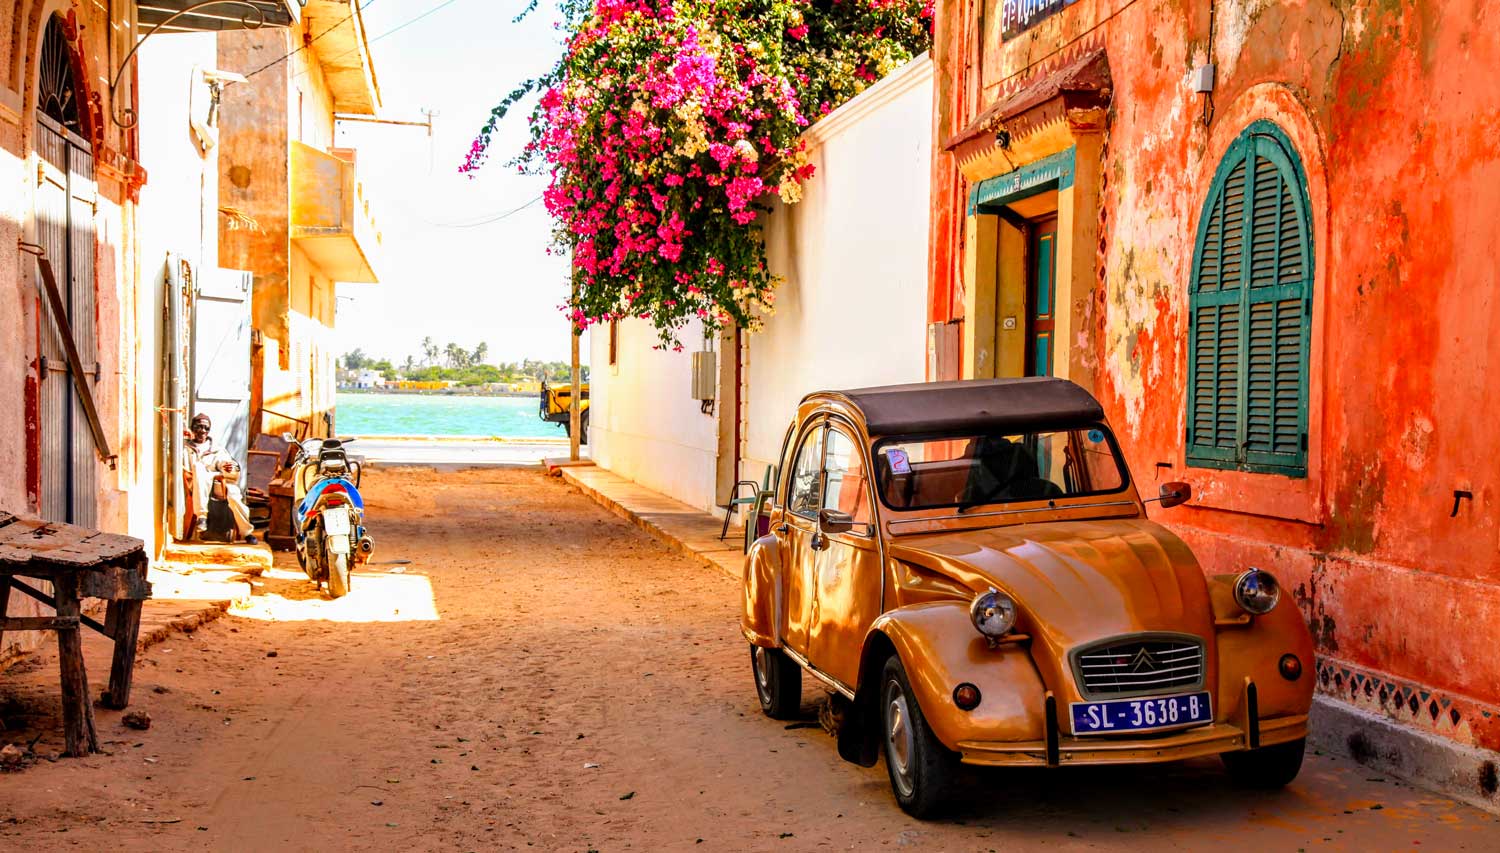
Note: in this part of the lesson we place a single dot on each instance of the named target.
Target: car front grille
(1139, 665)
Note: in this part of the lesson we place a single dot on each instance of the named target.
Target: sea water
(442, 414)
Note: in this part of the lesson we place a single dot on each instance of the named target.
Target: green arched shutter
(1250, 309)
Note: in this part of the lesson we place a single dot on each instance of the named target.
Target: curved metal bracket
(253, 19)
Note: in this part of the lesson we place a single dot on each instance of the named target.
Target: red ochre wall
(1394, 108)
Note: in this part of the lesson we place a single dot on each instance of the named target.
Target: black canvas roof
(974, 405)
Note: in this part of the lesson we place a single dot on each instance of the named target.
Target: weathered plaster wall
(97, 39)
(254, 171)
(305, 388)
(1395, 117)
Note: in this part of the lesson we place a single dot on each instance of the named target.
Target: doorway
(63, 224)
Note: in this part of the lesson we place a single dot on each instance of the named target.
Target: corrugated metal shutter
(1250, 306)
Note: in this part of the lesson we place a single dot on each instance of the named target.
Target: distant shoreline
(441, 392)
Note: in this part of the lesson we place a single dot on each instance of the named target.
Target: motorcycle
(328, 518)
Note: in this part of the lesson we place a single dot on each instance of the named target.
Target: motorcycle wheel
(338, 575)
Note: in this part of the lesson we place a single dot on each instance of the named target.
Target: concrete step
(197, 556)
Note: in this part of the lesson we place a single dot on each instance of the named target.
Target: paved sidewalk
(681, 527)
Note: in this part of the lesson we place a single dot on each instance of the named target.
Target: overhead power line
(398, 28)
(488, 220)
(314, 40)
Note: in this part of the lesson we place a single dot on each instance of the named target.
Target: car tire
(778, 682)
(921, 769)
(1268, 767)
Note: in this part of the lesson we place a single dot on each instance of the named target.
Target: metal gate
(64, 218)
(221, 357)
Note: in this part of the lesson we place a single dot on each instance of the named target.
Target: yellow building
(296, 215)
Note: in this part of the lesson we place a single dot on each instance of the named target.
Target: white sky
(490, 282)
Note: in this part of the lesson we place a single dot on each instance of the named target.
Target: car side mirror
(1175, 494)
(831, 521)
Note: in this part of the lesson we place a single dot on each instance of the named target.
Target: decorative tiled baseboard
(1457, 718)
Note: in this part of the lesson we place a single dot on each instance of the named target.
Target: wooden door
(1041, 290)
(64, 227)
(221, 357)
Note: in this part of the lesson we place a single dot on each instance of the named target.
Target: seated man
(212, 471)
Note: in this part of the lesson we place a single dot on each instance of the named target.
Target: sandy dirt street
(543, 675)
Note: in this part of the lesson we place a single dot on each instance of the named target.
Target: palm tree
(480, 352)
(457, 356)
(429, 351)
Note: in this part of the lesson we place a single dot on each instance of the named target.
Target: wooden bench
(79, 563)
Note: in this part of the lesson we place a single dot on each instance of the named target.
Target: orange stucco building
(1264, 234)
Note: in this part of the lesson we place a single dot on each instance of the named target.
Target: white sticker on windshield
(900, 464)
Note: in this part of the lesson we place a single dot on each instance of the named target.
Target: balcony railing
(331, 219)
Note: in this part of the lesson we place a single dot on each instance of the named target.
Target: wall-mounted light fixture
(252, 17)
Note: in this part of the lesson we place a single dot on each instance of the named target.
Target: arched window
(57, 91)
(1251, 310)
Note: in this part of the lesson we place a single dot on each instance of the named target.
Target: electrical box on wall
(705, 375)
(1203, 79)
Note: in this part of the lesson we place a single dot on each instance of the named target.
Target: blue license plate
(1145, 714)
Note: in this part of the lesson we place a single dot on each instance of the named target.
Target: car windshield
(966, 471)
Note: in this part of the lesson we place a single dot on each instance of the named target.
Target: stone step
(193, 556)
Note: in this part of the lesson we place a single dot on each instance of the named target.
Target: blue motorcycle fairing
(311, 498)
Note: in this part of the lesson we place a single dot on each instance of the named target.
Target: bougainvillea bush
(666, 126)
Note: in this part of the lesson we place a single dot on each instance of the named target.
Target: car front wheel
(1267, 767)
(778, 682)
(920, 767)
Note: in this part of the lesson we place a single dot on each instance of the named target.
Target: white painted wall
(178, 214)
(643, 423)
(852, 312)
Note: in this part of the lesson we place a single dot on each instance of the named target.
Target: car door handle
(783, 528)
(819, 541)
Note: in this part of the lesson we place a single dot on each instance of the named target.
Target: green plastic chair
(757, 490)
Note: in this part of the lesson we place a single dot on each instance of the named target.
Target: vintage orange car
(969, 569)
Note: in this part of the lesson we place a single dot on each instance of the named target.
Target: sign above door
(1018, 16)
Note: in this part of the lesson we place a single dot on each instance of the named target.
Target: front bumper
(1205, 740)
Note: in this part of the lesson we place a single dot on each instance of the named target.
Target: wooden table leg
(78, 712)
(124, 621)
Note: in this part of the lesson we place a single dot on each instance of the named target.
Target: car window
(974, 470)
(807, 483)
(846, 488)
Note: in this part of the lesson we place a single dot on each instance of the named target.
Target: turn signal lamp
(966, 696)
(1290, 667)
(1256, 591)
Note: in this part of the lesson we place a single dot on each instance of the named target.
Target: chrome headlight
(1257, 591)
(993, 614)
